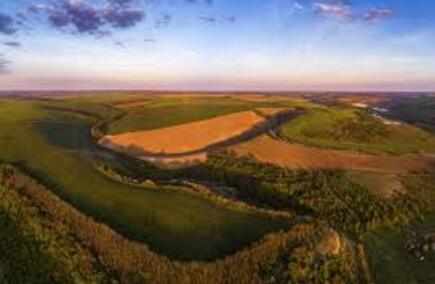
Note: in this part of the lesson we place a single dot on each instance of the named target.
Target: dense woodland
(325, 194)
(364, 128)
(48, 241)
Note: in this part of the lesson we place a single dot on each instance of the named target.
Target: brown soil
(330, 244)
(381, 185)
(177, 162)
(296, 156)
(270, 111)
(186, 137)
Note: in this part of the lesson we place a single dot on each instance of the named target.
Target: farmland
(167, 140)
(344, 128)
(59, 152)
(293, 202)
(297, 156)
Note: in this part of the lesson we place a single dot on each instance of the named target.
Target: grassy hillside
(346, 128)
(58, 149)
(388, 257)
(417, 111)
(163, 111)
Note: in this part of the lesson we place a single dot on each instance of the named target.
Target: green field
(418, 111)
(164, 112)
(390, 261)
(347, 128)
(57, 147)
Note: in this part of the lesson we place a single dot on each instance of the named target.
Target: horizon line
(216, 91)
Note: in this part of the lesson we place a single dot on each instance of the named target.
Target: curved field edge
(59, 155)
(358, 130)
(187, 137)
(77, 249)
(217, 196)
(161, 112)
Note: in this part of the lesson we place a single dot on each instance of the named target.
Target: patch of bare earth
(330, 244)
(297, 156)
(270, 111)
(382, 185)
(177, 162)
(185, 138)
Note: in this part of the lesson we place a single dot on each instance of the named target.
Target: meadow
(261, 211)
(57, 148)
(175, 111)
(352, 129)
(418, 111)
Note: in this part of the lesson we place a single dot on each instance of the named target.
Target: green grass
(165, 112)
(168, 112)
(346, 128)
(57, 147)
(379, 184)
(390, 261)
(418, 111)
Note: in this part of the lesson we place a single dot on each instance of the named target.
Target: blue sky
(218, 44)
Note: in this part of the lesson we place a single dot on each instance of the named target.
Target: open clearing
(296, 156)
(186, 137)
(382, 185)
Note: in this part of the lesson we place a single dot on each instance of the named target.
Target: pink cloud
(375, 14)
(337, 10)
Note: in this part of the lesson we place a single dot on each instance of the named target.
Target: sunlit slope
(186, 137)
(163, 111)
(345, 128)
(57, 148)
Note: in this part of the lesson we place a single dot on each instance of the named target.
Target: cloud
(209, 20)
(82, 17)
(3, 64)
(163, 21)
(209, 2)
(150, 40)
(123, 13)
(218, 20)
(297, 8)
(343, 10)
(6, 24)
(376, 14)
(335, 10)
(12, 43)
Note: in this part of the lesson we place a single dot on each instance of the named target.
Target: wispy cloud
(6, 24)
(163, 21)
(3, 64)
(344, 10)
(335, 10)
(376, 14)
(297, 7)
(218, 20)
(14, 44)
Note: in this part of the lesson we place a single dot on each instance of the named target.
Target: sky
(274, 45)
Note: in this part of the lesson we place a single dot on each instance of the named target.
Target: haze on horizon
(218, 44)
